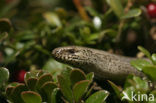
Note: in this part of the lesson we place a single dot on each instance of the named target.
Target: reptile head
(73, 55)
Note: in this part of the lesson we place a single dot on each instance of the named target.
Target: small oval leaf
(131, 13)
(4, 75)
(146, 52)
(79, 89)
(77, 75)
(43, 79)
(150, 71)
(116, 88)
(116, 6)
(98, 97)
(31, 83)
(31, 97)
(140, 63)
(65, 88)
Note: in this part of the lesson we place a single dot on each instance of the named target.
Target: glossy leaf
(43, 79)
(140, 63)
(54, 67)
(30, 75)
(127, 93)
(31, 83)
(48, 88)
(98, 97)
(116, 88)
(52, 18)
(66, 75)
(54, 95)
(141, 84)
(31, 97)
(77, 75)
(16, 93)
(79, 89)
(146, 52)
(131, 13)
(65, 88)
(150, 71)
(92, 11)
(116, 7)
(4, 75)
(90, 76)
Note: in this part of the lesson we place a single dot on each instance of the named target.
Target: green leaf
(129, 81)
(48, 88)
(146, 52)
(31, 97)
(90, 76)
(107, 32)
(141, 84)
(131, 13)
(42, 50)
(150, 71)
(92, 11)
(13, 84)
(43, 79)
(54, 95)
(66, 75)
(40, 73)
(154, 58)
(9, 91)
(116, 7)
(79, 89)
(140, 63)
(28, 75)
(127, 93)
(54, 67)
(65, 88)
(10, 88)
(52, 18)
(77, 75)
(4, 75)
(98, 97)
(31, 83)
(16, 93)
(116, 88)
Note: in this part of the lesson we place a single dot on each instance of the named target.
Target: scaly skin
(105, 65)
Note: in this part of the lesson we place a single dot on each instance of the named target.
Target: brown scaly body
(106, 66)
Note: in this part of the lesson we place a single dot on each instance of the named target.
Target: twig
(122, 22)
(81, 10)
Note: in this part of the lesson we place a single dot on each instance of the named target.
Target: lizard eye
(71, 51)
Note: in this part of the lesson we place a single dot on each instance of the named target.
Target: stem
(122, 22)
(81, 10)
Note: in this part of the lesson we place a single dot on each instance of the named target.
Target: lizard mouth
(56, 53)
(63, 53)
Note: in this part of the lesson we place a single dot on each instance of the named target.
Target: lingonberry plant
(73, 86)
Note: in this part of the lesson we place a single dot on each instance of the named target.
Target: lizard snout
(56, 52)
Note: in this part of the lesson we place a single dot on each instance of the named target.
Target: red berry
(20, 75)
(151, 9)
